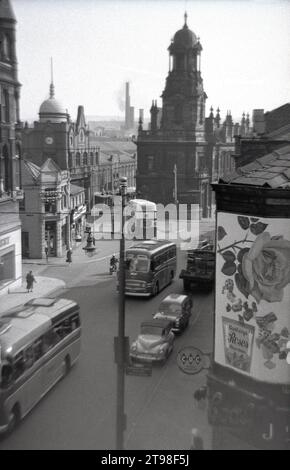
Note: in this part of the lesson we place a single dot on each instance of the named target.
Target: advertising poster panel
(252, 304)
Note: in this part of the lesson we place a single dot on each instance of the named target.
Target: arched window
(5, 106)
(5, 48)
(85, 158)
(78, 159)
(151, 163)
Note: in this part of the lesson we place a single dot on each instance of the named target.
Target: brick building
(10, 153)
(52, 211)
(270, 131)
(57, 137)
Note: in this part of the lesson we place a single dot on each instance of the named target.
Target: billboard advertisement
(252, 304)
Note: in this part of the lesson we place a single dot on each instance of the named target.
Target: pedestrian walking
(30, 280)
(46, 252)
(197, 441)
(68, 256)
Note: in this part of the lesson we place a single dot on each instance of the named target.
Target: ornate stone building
(183, 151)
(179, 139)
(56, 136)
(10, 153)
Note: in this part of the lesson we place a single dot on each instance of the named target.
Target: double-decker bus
(39, 342)
(150, 266)
(144, 215)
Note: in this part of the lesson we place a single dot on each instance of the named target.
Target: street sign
(139, 369)
(191, 360)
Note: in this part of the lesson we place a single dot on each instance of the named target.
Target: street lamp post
(175, 184)
(120, 352)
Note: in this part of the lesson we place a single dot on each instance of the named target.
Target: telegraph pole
(121, 341)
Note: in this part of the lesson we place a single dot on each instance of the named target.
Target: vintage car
(177, 309)
(154, 343)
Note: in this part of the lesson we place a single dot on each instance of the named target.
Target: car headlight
(134, 347)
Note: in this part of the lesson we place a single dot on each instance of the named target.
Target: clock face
(49, 140)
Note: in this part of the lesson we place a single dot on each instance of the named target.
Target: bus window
(75, 321)
(38, 348)
(6, 375)
(29, 357)
(49, 340)
(137, 263)
(19, 365)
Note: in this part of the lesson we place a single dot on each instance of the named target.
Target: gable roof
(74, 189)
(50, 166)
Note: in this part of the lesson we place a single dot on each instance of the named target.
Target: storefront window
(7, 266)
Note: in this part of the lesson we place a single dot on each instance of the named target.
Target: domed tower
(51, 109)
(184, 97)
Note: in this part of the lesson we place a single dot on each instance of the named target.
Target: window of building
(5, 112)
(50, 202)
(17, 167)
(197, 156)
(7, 265)
(78, 159)
(5, 48)
(85, 158)
(150, 163)
(5, 169)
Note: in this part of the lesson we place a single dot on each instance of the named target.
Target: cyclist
(113, 263)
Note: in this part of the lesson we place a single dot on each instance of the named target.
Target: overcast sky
(97, 45)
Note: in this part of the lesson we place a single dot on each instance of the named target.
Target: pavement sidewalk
(44, 286)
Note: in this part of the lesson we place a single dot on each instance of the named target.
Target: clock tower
(173, 162)
(184, 97)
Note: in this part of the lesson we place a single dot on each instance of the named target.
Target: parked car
(177, 309)
(154, 343)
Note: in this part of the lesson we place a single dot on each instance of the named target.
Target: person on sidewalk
(68, 256)
(46, 252)
(30, 280)
(197, 441)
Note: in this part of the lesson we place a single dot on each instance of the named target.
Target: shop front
(51, 237)
(79, 219)
(10, 260)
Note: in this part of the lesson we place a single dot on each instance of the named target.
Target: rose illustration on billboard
(266, 267)
(238, 344)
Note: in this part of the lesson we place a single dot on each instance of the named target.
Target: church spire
(51, 88)
(185, 19)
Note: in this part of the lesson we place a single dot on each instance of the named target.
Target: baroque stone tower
(172, 153)
(183, 97)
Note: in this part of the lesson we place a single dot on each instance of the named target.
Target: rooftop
(271, 170)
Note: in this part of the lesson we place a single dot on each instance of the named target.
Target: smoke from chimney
(120, 98)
